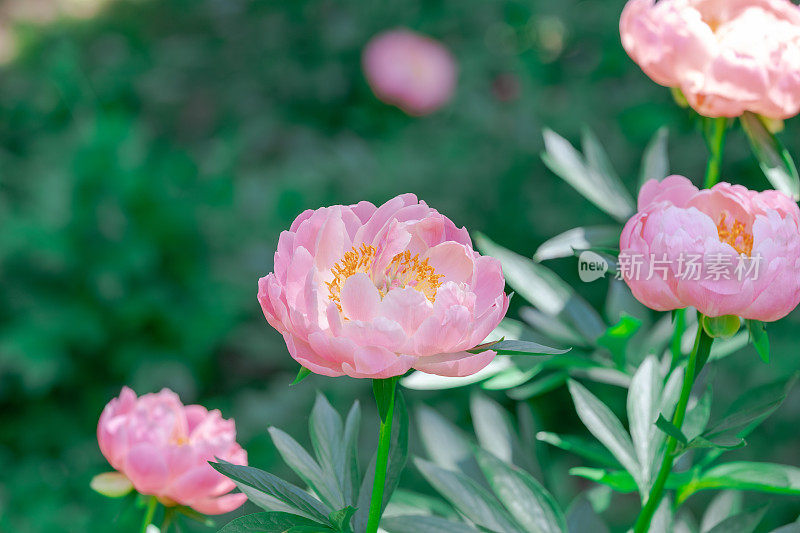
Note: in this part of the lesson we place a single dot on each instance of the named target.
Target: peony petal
(455, 364)
(221, 505)
(146, 467)
(360, 298)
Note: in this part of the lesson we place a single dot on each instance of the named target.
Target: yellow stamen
(403, 271)
(736, 235)
(354, 261)
(407, 271)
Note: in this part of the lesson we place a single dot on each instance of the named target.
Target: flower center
(404, 270)
(735, 234)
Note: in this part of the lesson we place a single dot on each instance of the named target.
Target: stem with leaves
(714, 130)
(149, 513)
(384, 390)
(698, 358)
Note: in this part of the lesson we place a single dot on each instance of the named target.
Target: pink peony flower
(372, 292)
(727, 56)
(409, 70)
(163, 448)
(725, 250)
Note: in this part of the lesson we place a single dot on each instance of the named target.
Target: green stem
(715, 138)
(677, 335)
(382, 459)
(152, 503)
(698, 357)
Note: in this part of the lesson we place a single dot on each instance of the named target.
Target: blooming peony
(372, 292)
(727, 56)
(725, 250)
(409, 70)
(163, 448)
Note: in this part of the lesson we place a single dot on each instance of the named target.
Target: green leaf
(774, 159)
(511, 377)
(750, 409)
(504, 347)
(302, 374)
(341, 518)
(697, 417)
(295, 498)
(662, 519)
(617, 337)
(685, 523)
(719, 443)
(745, 522)
(493, 427)
(539, 386)
(524, 497)
(794, 527)
(468, 497)
(272, 522)
(759, 338)
(111, 484)
(552, 327)
(644, 406)
(299, 460)
(544, 289)
(593, 176)
(398, 455)
(582, 518)
(623, 482)
(445, 443)
(326, 430)
(424, 524)
(655, 161)
(405, 502)
(669, 428)
(352, 473)
(580, 446)
(620, 302)
(618, 480)
(606, 427)
(726, 503)
(744, 475)
(565, 244)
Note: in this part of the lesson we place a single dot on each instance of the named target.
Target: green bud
(721, 327)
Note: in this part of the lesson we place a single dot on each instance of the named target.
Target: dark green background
(149, 158)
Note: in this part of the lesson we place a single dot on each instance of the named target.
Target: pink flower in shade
(727, 56)
(163, 448)
(727, 226)
(409, 70)
(372, 292)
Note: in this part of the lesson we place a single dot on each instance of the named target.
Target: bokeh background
(152, 150)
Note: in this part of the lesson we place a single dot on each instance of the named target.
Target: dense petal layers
(725, 250)
(163, 448)
(409, 70)
(372, 292)
(727, 56)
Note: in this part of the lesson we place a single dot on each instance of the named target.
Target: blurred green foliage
(150, 157)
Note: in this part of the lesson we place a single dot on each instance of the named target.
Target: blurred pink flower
(163, 448)
(372, 292)
(723, 228)
(727, 56)
(409, 70)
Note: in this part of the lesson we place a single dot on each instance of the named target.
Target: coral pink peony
(409, 70)
(163, 448)
(372, 292)
(727, 56)
(725, 250)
